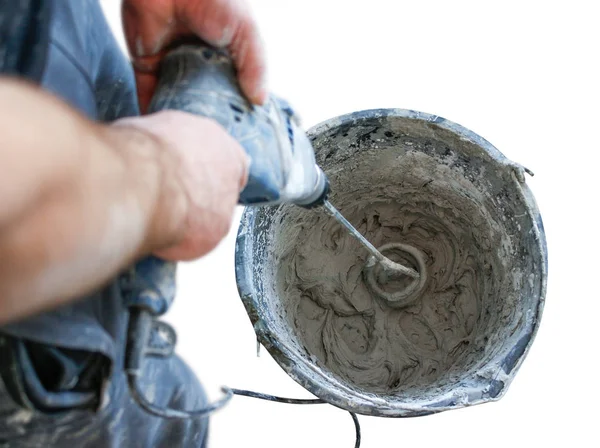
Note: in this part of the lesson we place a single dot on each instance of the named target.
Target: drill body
(201, 80)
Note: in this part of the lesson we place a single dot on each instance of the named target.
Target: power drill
(197, 78)
(201, 80)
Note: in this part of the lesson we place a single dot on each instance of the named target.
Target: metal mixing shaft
(386, 263)
(388, 269)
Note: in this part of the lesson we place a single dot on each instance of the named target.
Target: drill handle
(200, 79)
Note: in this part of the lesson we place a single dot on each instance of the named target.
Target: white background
(522, 74)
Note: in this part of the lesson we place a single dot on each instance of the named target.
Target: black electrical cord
(138, 334)
(261, 396)
(140, 324)
(170, 413)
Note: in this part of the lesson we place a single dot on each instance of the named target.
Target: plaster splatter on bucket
(435, 197)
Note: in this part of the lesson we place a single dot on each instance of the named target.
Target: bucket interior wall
(410, 181)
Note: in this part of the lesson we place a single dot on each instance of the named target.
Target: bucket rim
(493, 381)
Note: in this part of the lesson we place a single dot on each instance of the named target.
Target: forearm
(79, 200)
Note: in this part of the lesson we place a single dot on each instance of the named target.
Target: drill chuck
(320, 191)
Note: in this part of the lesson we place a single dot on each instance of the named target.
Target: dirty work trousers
(62, 382)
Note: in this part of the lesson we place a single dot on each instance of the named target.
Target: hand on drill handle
(152, 25)
(214, 165)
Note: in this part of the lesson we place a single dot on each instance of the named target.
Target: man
(87, 188)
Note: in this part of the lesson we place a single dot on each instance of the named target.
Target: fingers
(146, 85)
(148, 26)
(148, 29)
(151, 25)
(229, 24)
(247, 52)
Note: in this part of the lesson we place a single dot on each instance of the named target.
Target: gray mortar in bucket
(416, 179)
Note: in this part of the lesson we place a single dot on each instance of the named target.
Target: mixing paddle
(380, 271)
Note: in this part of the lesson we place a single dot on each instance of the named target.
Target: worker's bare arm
(79, 200)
